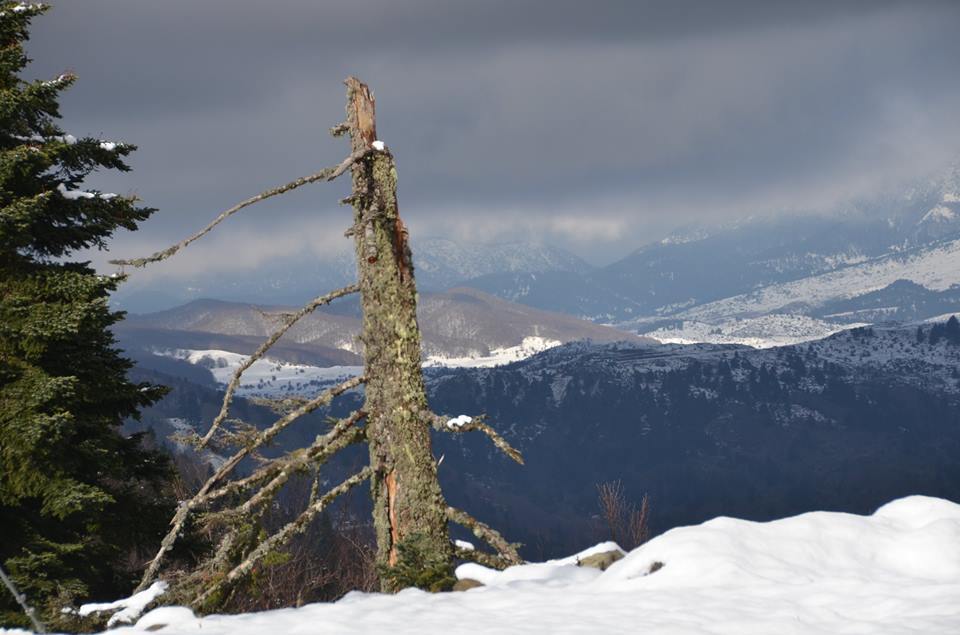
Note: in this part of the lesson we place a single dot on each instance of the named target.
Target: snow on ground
(767, 331)
(266, 377)
(938, 319)
(270, 378)
(894, 572)
(498, 356)
(128, 610)
(935, 267)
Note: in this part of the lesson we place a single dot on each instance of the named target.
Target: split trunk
(408, 506)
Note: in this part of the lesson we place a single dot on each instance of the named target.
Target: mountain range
(763, 280)
(791, 367)
(460, 323)
(298, 277)
(842, 423)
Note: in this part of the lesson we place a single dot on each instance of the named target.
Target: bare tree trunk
(409, 511)
(410, 515)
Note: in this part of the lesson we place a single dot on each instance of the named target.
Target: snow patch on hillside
(497, 357)
(763, 332)
(939, 213)
(896, 571)
(266, 377)
(938, 318)
(936, 267)
(271, 378)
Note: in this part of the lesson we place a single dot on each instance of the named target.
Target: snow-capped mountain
(705, 429)
(936, 267)
(773, 280)
(670, 276)
(442, 264)
(852, 265)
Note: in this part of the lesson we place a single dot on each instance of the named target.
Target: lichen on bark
(409, 509)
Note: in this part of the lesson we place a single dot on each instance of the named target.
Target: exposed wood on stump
(409, 510)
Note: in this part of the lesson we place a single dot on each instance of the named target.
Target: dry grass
(627, 523)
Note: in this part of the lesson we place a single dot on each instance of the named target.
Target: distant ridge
(457, 323)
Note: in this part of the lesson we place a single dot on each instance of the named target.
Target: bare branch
(316, 452)
(506, 551)
(476, 423)
(285, 534)
(22, 601)
(200, 497)
(280, 406)
(261, 351)
(481, 557)
(326, 174)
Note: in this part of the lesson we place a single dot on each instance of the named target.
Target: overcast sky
(597, 126)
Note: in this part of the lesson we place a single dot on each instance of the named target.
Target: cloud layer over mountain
(597, 127)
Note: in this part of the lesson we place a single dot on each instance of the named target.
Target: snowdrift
(896, 571)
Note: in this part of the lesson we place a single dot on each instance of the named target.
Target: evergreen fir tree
(952, 330)
(76, 497)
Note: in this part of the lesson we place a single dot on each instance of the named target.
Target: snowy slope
(934, 267)
(266, 377)
(271, 377)
(894, 572)
(767, 331)
(497, 357)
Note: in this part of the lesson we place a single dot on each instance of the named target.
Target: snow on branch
(326, 174)
(465, 423)
(23, 7)
(261, 351)
(74, 195)
(506, 552)
(127, 610)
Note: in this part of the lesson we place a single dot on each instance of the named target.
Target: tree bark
(409, 511)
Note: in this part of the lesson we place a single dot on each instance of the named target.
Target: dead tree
(408, 506)
(410, 515)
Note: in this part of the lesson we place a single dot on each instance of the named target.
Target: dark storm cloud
(593, 124)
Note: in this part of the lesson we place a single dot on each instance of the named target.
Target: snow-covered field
(266, 377)
(936, 267)
(497, 357)
(767, 331)
(270, 377)
(891, 573)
